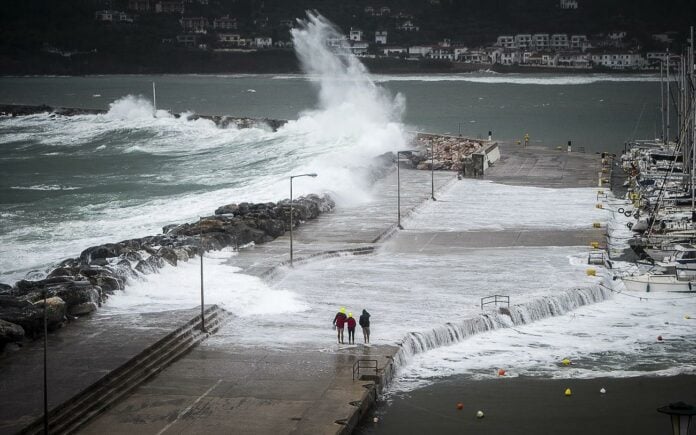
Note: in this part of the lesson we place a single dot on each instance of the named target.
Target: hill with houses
(178, 36)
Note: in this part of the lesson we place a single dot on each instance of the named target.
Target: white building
(541, 41)
(419, 50)
(225, 23)
(475, 56)
(340, 42)
(569, 4)
(619, 60)
(408, 26)
(263, 42)
(395, 51)
(509, 57)
(573, 59)
(381, 37)
(356, 34)
(459, 52)
(194, 24)
(359, 48)
(549, 59)
(229, 38)
(559, 41)
(579, 42)
(505, 41)
(441, 53)
(617, 36)
(523, 41)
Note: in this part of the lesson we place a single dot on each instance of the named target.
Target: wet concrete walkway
(78, 355)
(222, 388)
(347, 227)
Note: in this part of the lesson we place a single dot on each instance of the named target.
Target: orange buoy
(460, 406)
(501, 372)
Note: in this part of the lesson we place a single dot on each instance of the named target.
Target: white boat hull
(649, 283)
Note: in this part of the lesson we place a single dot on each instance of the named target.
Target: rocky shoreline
(221, 121)
(77, 286)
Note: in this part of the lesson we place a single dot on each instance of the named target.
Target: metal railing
(495, 299)
(364, 364)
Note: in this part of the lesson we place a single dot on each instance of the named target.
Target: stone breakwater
(450, 152)
(221, 121)
(77, 286)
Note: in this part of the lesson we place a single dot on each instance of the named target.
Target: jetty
(214, 385)
(222, 121)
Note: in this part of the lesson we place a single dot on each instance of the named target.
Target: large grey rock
(80, 293)
(31, 316)
(168, 254)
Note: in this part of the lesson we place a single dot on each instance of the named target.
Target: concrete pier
(222, 387)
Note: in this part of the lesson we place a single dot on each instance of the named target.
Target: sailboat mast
(692, 101)
(662, 99)
(154, 100)
(668, 95)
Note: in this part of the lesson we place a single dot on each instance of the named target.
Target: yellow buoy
(595, 245)
(568, 392)
(599, 206)
(591, 272)
(596, 225)
(565, 362)
(479, 414)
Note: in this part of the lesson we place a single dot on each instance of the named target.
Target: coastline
(255, 63)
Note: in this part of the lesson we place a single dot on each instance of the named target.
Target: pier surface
(220, 387)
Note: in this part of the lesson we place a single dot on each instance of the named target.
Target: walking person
(351, 329)
(339, 322)
(365, 325)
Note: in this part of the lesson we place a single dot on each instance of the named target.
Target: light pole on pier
(200, 249)
(291, 220)
(398, 188)
(45, 369)
(432, 172)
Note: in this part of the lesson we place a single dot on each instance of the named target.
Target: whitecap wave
(45, 187)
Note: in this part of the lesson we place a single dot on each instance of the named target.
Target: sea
(68, 183)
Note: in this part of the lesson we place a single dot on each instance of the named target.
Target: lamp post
(398, 188)
(291, 222)
(432, 172)
(680, 415)
(200, 248)
(45, 369)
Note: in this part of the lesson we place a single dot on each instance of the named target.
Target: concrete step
(80, 409)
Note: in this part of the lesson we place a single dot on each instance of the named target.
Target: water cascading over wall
(522, 314)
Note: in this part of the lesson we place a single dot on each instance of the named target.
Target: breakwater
(77, 286)
(219, 120)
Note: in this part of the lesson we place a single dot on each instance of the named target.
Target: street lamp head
(304, 175)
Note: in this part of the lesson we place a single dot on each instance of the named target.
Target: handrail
(368, 364)
(495, 299)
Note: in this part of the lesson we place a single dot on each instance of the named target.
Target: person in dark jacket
(351, 329)
(365, 325)
(339, 322)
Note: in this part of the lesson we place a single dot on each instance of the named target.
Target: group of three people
(341, 320)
